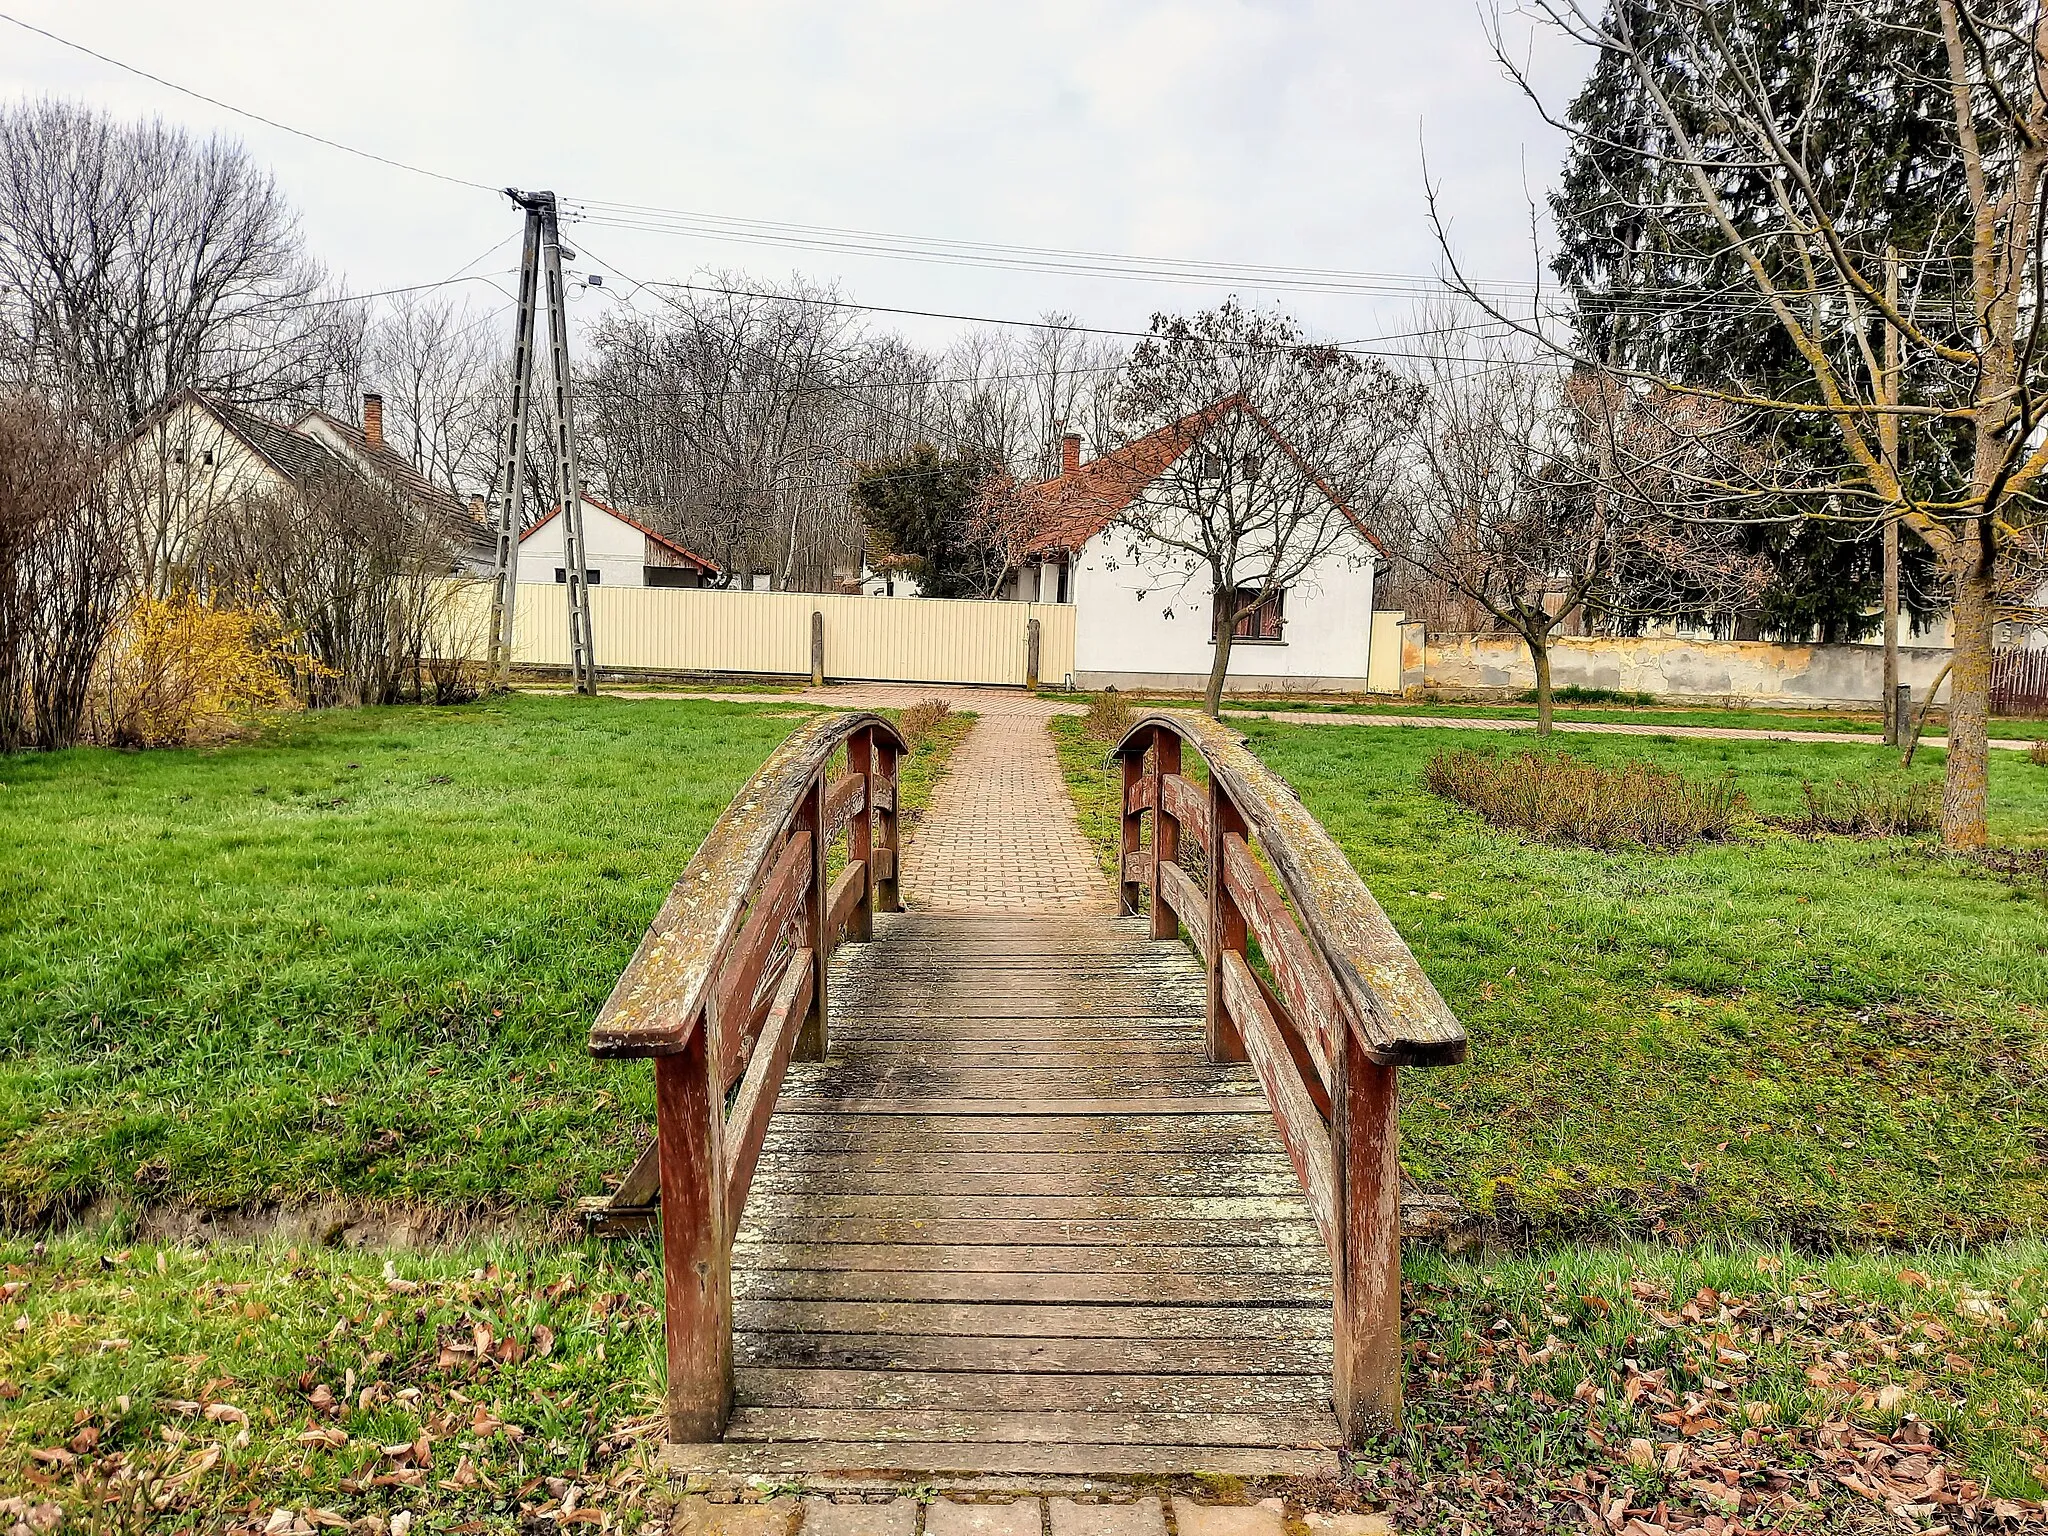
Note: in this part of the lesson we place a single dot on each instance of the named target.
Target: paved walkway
(1005, 1514)
(1000, 834)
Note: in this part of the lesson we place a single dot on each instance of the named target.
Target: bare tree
(1274, 453)
(1545, 497)
(346, 569)
(63, 577)
(437, 366)
(136, 260)
(1730, 136)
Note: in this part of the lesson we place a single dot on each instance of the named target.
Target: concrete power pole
(540, 262)
(1888, 443)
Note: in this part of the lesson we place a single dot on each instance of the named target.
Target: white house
(619, 551)
(195, 458)
(1142, 618)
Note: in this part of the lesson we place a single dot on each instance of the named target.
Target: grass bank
(354, 957)
(1832, 1042)
(496, 1389)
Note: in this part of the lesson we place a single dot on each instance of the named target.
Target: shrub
(1109, 716)
(1871, 808)
(2037, 754)
(922, 718)
(181, 670)
(1563, 799)
(1572, 693)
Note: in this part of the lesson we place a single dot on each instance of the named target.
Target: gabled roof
(295, 458)
(1074, 508)
(387, 464)
(631, 522)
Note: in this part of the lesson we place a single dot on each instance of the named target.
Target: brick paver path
(1008, 1512)
(999, 834)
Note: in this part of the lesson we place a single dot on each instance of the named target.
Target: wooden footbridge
(1024, 1192)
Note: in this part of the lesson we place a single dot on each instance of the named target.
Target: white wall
(616, 549)
(184, 470)
(1123, 634)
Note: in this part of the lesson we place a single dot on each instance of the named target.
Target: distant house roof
(1074, 507)
(631, 522)
(299, 459)
(301, 456)
(386, 463)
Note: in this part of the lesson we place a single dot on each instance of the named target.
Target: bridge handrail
(1345, 1008)
(1401, 1017)
(728, 986)
(661, 996)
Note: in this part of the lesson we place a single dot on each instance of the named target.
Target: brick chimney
(373, 420)
(1070, 452)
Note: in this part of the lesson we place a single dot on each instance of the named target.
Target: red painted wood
(1367, 1260)
(1310, 995)
(754, 1105)
(815, 925)
(1226, 930)
(1165, 830)
(1130, 848)
(696, 1251)
(887, 896)
(860, 837)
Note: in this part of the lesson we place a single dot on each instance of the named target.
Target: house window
(591, 578)
(1258, 622)
(668, 576)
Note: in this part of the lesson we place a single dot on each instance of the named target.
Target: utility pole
(1888, 443)
(541, 260)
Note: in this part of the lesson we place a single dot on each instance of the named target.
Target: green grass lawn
(1830, 1042)
(1860, 722)
(356, 956)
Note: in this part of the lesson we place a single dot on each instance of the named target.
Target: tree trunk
(1219, 665)
(1539, 653)
(1965, 790)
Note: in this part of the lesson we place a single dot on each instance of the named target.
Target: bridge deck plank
(1017, 1223)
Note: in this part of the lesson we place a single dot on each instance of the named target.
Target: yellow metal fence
(869, 639)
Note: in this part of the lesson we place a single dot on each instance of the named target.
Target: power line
(257, 117)
(1046, 260)
(1356, 348)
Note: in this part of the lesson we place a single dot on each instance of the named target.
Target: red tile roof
(631, 522)
(1073, 508)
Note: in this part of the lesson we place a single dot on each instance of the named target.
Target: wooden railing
(726, 987)
(1336, 1006)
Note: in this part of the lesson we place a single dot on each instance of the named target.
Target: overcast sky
(1289, 132)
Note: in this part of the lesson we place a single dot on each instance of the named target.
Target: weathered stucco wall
(1686, 671)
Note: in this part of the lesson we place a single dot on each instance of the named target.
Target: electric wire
(258, 117)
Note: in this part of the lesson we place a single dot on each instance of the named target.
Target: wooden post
(860, 834)
(696, 1257)
(1226, 925)
(1165, 830)
(1133, 833)
(1031, 628)
(817, 649)
(1366, 1147)
(887, 833)
(811, 1040)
